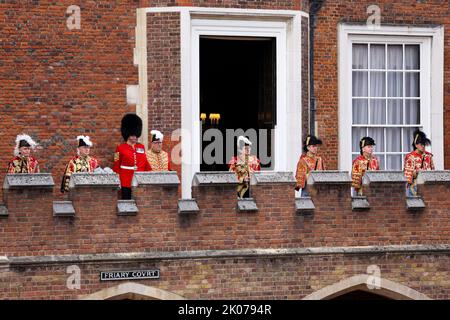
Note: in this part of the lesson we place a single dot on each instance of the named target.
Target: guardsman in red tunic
(158, 159)
(130, 156)
(309, 161)
(366, 161)
(417, 160)
(82, 162)
(243, 165)
(23, 162)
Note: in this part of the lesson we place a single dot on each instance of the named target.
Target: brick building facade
(58, 82)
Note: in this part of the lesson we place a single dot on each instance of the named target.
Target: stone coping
(265, 177)
(216, 178)
(434, 177)
(63, 209)
(329, 177)
(202, 254)
(247, 205)
(304, 204)
(414, 203)
(188, 206)
(360, 203)
(94, 180)
(28, 180)
(166, 178)
(383, 177)
(127, 208)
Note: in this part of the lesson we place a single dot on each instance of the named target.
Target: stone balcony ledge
(265, 177)
(329, 177)
(434, 177)
(383, 177)
(25, 180)
(214, 178)
(94, 180)
(166, 178)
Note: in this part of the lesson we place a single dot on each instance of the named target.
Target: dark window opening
(238, 81)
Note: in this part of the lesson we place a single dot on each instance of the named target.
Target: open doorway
(238, 82)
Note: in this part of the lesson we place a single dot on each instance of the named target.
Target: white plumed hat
(25, 140)
(243, 140)
(156, 135)
(84, 141)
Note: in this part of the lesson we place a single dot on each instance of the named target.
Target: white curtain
(388, 87)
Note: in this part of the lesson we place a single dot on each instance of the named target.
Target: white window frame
(431, 41)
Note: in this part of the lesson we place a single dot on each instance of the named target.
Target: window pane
(412, 111)
(412, 84)
(381, 160)
(412, 57)
(377, 56)
(378, 135)
(377, 84)
(395, 84)
(395, 57)
(378, 111)
(394, 162)
(359, 84)
(359, 56)
(357, 134)
(393, 139)
(408, 139)
(395, 111)
(360, 111)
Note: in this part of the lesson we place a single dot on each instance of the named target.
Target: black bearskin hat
(131, 126)
(366, 141)
(310, 141)
(420, 138)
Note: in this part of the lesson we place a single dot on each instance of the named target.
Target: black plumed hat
(310, 141)
(131, 126)
(420, 138)
(366, 141)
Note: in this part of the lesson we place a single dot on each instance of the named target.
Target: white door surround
(284, 26)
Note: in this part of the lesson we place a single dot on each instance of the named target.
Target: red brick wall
(164, 76)
(31, 229)
(251, 4)
(402, 13)
(57, 83)
(236, 278)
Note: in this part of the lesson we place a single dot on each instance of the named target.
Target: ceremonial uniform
(158, 159)
(130, 156)
(307, 163)
(363, 163)
(78, 164)
(129, 159)
(243, 165)
(360, 165)
(21, 164)
(416, 161)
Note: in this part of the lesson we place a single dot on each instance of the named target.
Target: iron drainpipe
(314, 8)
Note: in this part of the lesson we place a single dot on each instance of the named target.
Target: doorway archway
(388, 289)
(132, 291)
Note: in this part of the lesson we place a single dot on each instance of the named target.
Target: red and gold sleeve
(409, 169)
(300, 176)
(356, 174)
